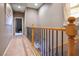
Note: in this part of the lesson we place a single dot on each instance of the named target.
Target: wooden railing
(48, 39)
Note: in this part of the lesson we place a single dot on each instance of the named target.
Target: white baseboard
(18, 33)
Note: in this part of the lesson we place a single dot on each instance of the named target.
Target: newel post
(32, 35)
(71, 31)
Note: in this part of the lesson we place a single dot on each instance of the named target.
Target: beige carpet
(19, 46)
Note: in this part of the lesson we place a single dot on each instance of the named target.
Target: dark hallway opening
(18, 25)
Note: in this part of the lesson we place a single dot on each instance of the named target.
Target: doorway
(18, 26)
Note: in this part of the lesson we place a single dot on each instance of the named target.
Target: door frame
(14, 24)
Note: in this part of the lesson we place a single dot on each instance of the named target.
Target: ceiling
(24, 5)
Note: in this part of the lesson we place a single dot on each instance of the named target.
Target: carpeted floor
(19, 46)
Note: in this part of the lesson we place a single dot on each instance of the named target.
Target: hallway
(46, 29)
(19, 46)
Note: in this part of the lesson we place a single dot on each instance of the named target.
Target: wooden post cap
(71, 27)
(32, 24)
(71, 19)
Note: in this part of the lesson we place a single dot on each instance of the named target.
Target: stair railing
(47, 42)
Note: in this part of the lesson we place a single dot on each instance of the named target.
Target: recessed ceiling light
(19, 6)
(36, 4)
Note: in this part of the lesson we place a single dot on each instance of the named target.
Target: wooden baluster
(46, 42)
(71, 31)
(43, 41)
(56, 42)
(52, 43)
(32, 35)
(62, 43)
(49, 42)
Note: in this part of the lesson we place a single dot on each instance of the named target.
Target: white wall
(9, 15)
(9, 18)
(51, 15)
(5, 30)
(31, 16)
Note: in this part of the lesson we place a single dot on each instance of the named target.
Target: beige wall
(5, 30)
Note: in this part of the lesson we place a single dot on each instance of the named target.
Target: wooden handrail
(61, 28)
